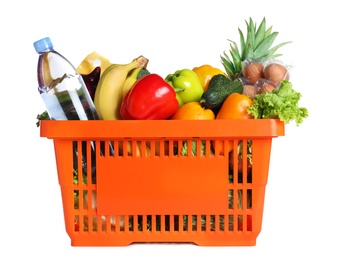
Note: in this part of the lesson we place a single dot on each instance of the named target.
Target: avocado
(219, 88)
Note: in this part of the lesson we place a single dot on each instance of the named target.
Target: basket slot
(156, 148)
(162, 223)
(84, 161)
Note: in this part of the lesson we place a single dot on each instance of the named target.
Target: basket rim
(125, 129)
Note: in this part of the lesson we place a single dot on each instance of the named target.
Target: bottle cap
(42, 45)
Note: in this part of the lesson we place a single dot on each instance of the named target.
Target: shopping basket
(182, 181)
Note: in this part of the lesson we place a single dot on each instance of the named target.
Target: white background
(301, 215)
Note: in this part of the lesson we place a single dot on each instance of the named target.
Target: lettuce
(184, 150)
(282, 103)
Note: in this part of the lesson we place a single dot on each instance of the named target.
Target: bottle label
(65, 99)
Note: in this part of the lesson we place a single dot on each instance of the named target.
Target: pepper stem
(178, 89)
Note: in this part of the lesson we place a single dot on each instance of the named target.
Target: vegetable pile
(254, 85)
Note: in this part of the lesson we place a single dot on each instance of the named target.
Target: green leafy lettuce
(185, 152)
(282, 103)
(43, 116)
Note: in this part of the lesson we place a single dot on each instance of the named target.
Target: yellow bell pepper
(91, 61)
(205, 73)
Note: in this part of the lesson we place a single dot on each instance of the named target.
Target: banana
(130, 80)
(99, 104)
(108, 96)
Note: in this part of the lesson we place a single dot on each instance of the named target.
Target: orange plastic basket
(199, 182)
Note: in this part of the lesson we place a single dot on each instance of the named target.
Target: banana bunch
(114, 83)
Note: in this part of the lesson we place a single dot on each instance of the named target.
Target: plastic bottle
(62, 88)
(65, 95)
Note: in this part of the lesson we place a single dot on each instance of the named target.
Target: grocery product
(62, 88)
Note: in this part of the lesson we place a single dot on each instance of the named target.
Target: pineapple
(257, 46)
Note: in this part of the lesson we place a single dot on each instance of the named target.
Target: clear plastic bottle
(62, 88)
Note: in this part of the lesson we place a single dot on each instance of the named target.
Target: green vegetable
(185, 151)
(142, 73)
(281, 103)
(43, 116)
(220, 87)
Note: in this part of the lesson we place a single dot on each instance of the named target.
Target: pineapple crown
(257, 46)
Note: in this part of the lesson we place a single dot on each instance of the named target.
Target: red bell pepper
(151, 97)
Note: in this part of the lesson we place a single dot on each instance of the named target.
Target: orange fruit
(235, 107)
(193, 111)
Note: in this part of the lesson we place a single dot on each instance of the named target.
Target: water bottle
(66, 97)
(61, 87)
